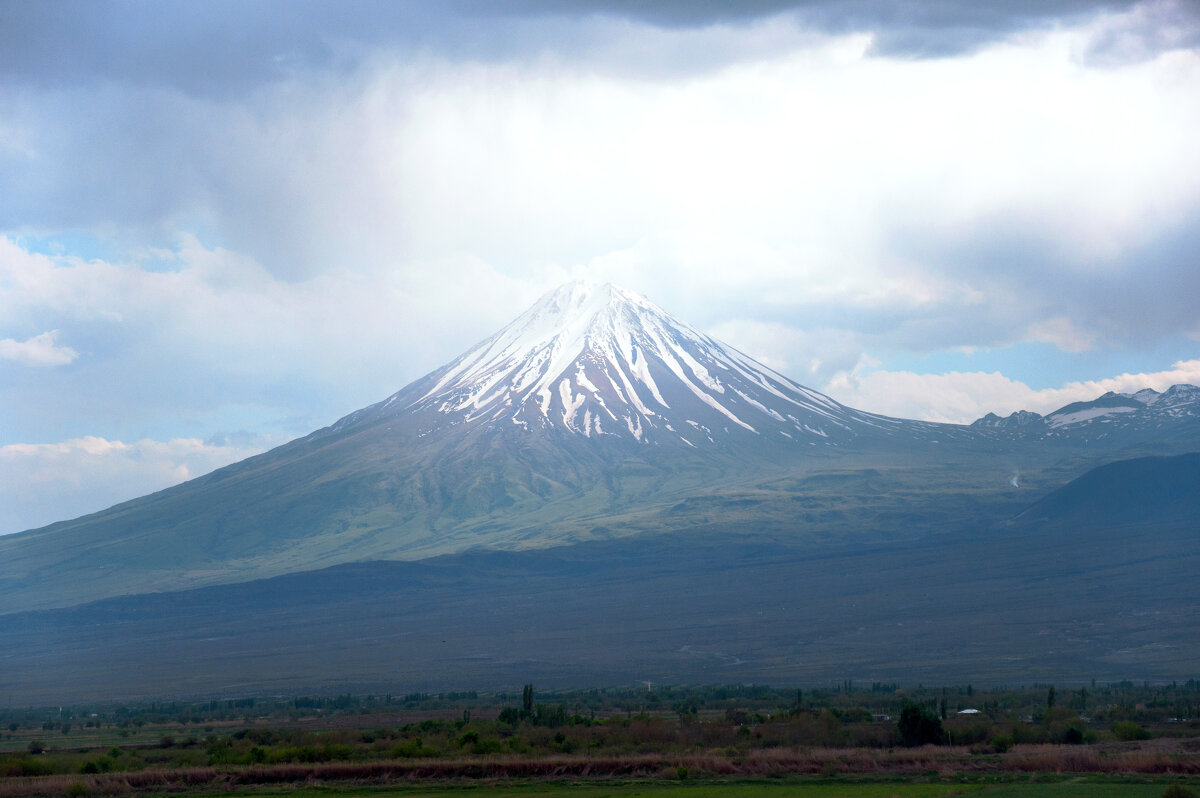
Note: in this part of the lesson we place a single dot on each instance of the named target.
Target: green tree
(1050, 698)
(918, 725)
(527, 701)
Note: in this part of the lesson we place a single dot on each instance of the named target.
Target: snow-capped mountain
(599, 361)
(593, 415)
(1144, 413)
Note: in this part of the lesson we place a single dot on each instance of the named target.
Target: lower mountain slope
(382, 491)
(336, 496)
(1015, 605)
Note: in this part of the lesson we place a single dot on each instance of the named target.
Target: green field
(730, 740)
(1074, 788)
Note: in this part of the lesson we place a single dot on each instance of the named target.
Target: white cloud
(1143, 31)
(1061, 332)
(44, 483)
(809, 357)
(40, 350)
(962, 397)
(790, 182)
(214, 337)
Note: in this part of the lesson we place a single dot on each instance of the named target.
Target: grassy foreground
(674, 742)
(648, 777)
(1072, 788)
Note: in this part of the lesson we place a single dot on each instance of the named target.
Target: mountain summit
(601, 361)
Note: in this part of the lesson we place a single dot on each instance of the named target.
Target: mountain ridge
(1140, 410)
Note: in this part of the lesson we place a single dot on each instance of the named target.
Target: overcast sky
(226, 224)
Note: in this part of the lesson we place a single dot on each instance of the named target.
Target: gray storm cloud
(194, 46)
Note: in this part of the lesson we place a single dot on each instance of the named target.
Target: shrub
(517, 744)
(487, 745)
(970, 733)
(25, 766)
(296, 753)
(1021, 733)
(336, 752)
(1128, 730)
(412, 748)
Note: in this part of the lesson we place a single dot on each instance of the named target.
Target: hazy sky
(226, 224)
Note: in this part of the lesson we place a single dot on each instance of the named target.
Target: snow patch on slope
(587, 352)
(1089, 414)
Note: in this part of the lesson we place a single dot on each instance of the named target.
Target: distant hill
(1141, 491)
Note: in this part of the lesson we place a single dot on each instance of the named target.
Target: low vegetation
(682, 735)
